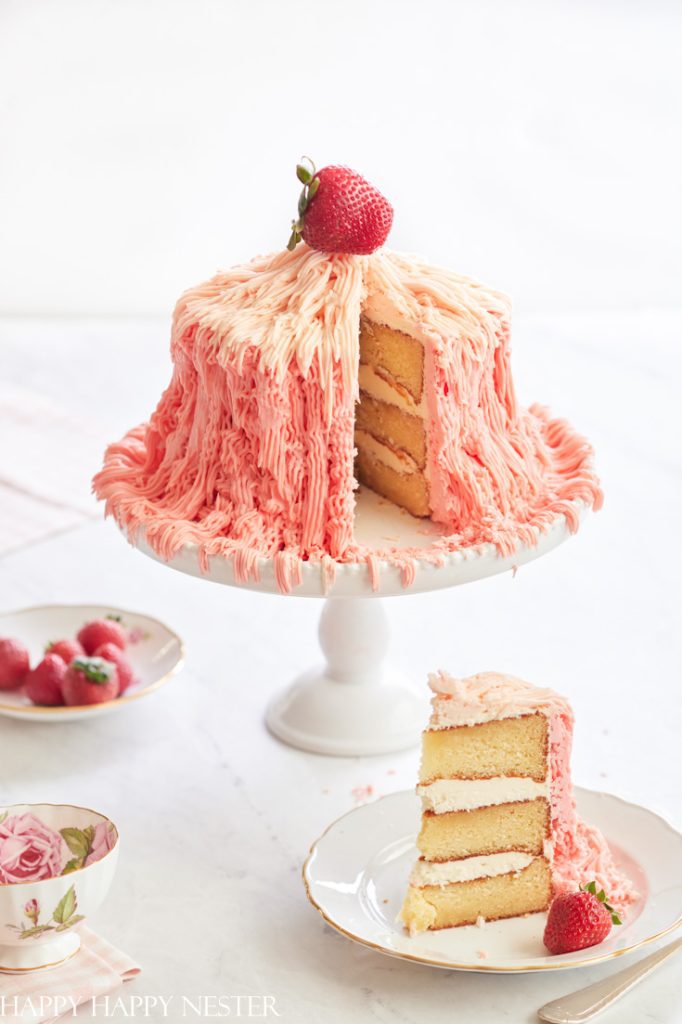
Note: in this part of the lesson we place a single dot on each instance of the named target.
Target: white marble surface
(216, 816)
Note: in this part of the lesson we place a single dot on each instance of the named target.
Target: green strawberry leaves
(591, 887)
(305, 172)
(95, 670)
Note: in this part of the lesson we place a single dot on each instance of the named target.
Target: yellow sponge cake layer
(461, 903)
(523, 826)
(394, 353)
(388, 423)
(409, 490)
(511, 746)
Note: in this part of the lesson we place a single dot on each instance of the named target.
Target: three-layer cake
(499, 831)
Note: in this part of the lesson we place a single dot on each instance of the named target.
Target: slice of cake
(304, 372)
(499, 832)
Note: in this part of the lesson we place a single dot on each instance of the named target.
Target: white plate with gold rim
(357, 871)
(155, 652)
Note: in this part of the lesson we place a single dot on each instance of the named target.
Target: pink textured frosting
(250, 451)
(488, 696)
(579, 852)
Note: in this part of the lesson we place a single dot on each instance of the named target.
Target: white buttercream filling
(450, 871)
(398, 460)
(445, 795)
(379, 387)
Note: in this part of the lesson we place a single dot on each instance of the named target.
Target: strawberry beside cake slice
(499, 832)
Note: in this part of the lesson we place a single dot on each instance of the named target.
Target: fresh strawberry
(339, 211)
(110, 652)
(67, 650)
(44, 682)
(101, 631)
(578, 919)
(90, 681)
(14, 664)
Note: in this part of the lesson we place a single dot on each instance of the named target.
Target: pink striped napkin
(96, 970)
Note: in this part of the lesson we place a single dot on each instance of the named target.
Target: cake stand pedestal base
(354, 705)
(42, 957)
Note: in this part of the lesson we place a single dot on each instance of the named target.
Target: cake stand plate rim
(352, 579)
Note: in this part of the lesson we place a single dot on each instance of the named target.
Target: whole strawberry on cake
(331, 363)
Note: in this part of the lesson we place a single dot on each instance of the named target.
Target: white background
(536, 146)
(146, 143)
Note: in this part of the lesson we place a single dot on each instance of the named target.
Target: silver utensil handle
(580, 1006)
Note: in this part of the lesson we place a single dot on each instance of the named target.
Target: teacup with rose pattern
(57, 862)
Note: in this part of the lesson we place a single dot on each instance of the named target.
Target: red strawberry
(67, 650)
(14, 664)
(339, 211)
(578, 919)
(90, 681)
(101, 631)
(44, 682)
(110, 652)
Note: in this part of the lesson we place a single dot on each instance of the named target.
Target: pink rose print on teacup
(29, 850)
(103, 840)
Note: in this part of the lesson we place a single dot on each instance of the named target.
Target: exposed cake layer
(395, 353)
(446, 872)
(383, 451)
(409, 490)
(512, 746)
(492, 898)
(524, 827)
(390, 426)
(466, 794)
(379, 384)
(388, 423)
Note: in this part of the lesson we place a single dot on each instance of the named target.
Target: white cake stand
(355, 704)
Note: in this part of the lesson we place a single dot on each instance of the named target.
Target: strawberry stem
(305, 172)
(95, 670)
(591, 887)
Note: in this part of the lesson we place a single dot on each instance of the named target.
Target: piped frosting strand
(249, 453)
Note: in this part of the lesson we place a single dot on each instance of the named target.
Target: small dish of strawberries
(102, 659)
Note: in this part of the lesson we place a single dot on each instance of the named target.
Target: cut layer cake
(303, 373)
(499, 832)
